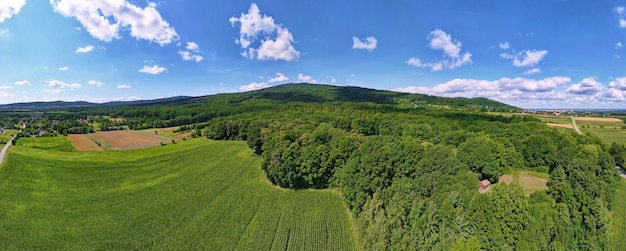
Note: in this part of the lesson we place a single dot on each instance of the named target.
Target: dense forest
(407, 165)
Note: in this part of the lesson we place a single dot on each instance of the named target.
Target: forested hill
(301, 92)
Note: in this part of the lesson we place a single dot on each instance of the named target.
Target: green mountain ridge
(293, 92)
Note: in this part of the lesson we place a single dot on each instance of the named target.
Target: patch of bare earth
(83, 143)
(598, 119)
(127, 140)
(570, 126)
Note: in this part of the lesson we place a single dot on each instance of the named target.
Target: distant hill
(299, 92)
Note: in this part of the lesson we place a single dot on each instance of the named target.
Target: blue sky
(528, 53)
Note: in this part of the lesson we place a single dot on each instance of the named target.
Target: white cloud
(620, 14)
(155, 69)
(61, 84)
(22, 83)
(368, 43)
(333, 80)
(253, 86)
(587, 86)
(504, 45)
(104, 19)
(8, 8)
(192, 46)
(276, 41)
(191, 52)
(618, 45)
(532, 71)
(526, 59)
(54, 91)
(96, 83)
(279, 78)
(620, 9)
(85, 49)
(5, 87)
(123, 86)
(439, 40)
(618, 83)
(64, 68)
(307, 79)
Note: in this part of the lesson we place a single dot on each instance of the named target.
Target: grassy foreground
(194, 195)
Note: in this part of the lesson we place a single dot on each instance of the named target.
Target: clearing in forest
(529, 182)
(127, 140)
(193, 195)
(83, 143)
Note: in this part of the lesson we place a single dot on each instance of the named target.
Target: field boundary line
(575, 126)
(5, 149)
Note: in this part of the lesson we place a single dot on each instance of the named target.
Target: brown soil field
(598, 119)
(127, 140)
(83, 143)
(529, 182)
(570, 126)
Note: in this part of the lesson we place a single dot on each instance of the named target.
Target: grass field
(193, 195)
(617, 232)
(7, 136)
(59, 143)
(531, 182)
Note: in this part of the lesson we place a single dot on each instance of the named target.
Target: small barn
(484, 186)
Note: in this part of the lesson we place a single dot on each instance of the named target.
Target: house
(484, 186)
(42, 132)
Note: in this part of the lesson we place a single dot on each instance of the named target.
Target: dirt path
(575, 126)
(4, 150)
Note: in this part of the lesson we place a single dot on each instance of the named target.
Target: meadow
(59, 143)
(193, 195)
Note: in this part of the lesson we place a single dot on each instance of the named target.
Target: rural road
(575, 126)
(4, 150)
(621, 172)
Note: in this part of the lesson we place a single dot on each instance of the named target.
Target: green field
(59, 143)
(7, 136)
(617, 232)
(193, 195)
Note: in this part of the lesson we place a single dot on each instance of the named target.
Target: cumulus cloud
(253, 86)
(8, 8)
(368, 43)
(618, 83)
(123, 86)
(532, 71)
(621, 16)
(104, 19)
(85, 49)
(95, 83)
(279, 78)
(307, 79)
(64, 68)
(61, 84)
(504, 45)
(191, 52)
(440, 40)
(587, 86)
(528, 58)
(276, 40)
(22, 83)
(618, 45)
(5, 87)
(155, 69)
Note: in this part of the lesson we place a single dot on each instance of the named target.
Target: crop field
(617, 241)
(127, 140)
(83, 143)
(168, 132)
(59, 143)
(193, 195)
(530, 183)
